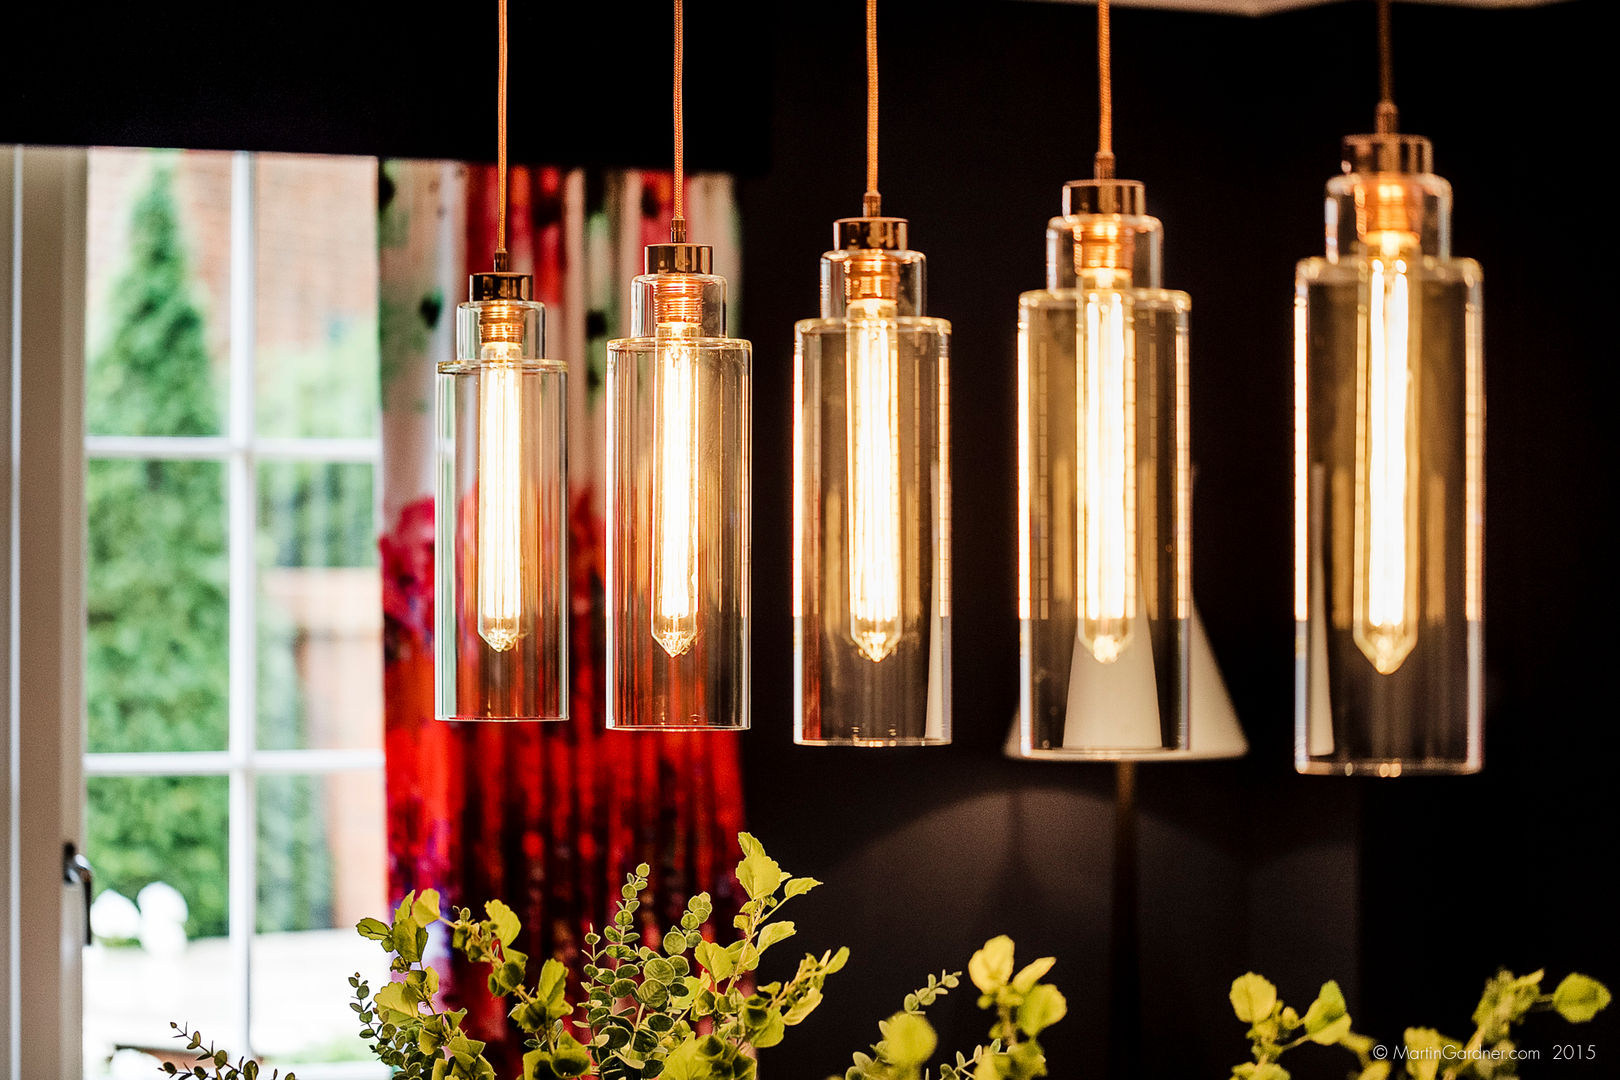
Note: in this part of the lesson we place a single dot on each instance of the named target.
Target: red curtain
(547, 817)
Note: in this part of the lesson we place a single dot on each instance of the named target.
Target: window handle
(76, 871)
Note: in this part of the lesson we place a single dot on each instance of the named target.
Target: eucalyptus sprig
(680, 1011)
(1023, 1007)
(1488, 1054)
(670, 1004)
(213, 1064)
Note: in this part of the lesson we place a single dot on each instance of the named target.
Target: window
(233, 652)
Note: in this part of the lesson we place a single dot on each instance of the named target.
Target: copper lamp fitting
(502, 319)
(874, 270)
(678, 291)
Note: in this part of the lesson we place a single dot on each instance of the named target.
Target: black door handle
(76, 871)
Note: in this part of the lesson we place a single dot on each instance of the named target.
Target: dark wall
(1409, 892)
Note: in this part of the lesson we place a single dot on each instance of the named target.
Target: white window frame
(43, 759)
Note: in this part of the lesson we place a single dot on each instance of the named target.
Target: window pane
(158, 616)
(158, 845)
(316, 293)
(321, 870)
(320, 608)
(157, 333)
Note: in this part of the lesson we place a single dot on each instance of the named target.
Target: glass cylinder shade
(871, 509)
(1105, 591)
(1388, 483)
(678, 511)
(501, 550)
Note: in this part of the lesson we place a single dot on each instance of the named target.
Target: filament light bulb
(1107, 437)
(1385, 620)
(500, 436)
(872, 375)
(675, 489)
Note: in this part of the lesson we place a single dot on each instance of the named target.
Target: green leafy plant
(1488, 1054)
(668, 1004)
(1023, 1006)
(212, 1064)
(680, 1010)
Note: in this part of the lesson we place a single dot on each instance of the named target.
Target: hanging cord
(1387, 115)
(871, 202)
(677, 223)
(502, 261)
(1104, 166)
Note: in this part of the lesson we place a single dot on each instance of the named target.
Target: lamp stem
(502, 261)
(1388, 117)
(1105, 95)
(872, 202)
(677, 224)
(1124, 954)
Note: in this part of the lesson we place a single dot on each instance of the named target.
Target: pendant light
(871, 488)
(678, 491)
(1388, 470)
(501, 506)
(1105, 578)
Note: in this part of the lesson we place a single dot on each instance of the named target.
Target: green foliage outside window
(158, 607)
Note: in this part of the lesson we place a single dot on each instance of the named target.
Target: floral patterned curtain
(547, 817)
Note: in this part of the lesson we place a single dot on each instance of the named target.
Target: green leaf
(684, 1063)
(659, 971)
(1252, 997)
(1579, 998)
(374, 929)
(759, 875)
(715, 960)
(396, 997)
(839, 959)
(505, 920)
(551, 987)
(992, 965)
(771, 933)
(1424, 1047)
(771, 1034)
(1043, 1006)
(1031, 974)
(1378, 1070)
(799, 886)
(570, 1058)
(425, 909)
(1327, 1020)
(802, 1008)
(908, 1040)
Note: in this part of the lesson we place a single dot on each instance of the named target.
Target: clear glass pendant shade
(501, 575)
(678, 510)
(871, 508)
(1388, 477)
(1105, 591)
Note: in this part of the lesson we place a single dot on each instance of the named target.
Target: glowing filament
(1385, 626)
(500, 430)
(872, 376)
(1107, 451)
(675, 490)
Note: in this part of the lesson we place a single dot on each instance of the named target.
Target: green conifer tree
(157, 603)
